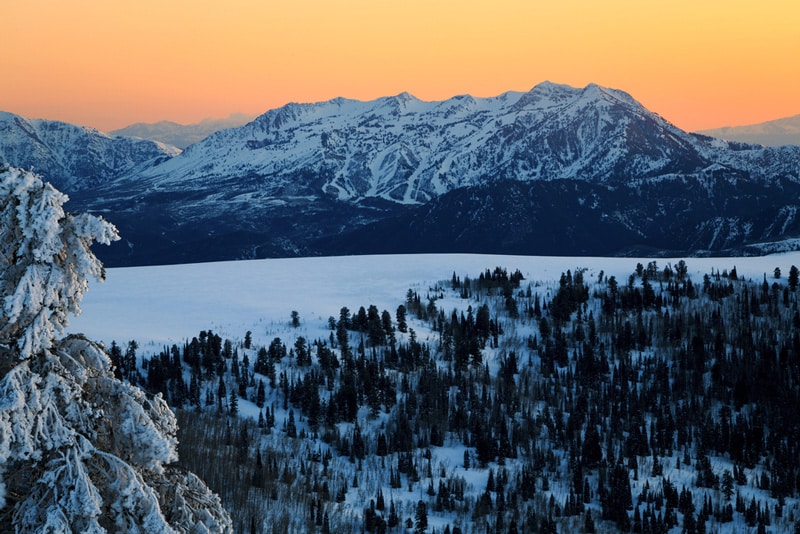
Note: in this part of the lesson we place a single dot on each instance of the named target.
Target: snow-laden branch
(45, 261)
(80, 451)
(83, 451)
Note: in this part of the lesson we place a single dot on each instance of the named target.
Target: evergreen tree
(421, 518)
(115, 353)
(402, 325)
(129, 362)
(291, 428)
(86, 451)
(591, 453)
(726, 485)
(261, 394)
(233, 405)
(618, 498)
(394, 518)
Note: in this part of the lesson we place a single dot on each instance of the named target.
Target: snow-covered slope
(168, 304)
(73, 157)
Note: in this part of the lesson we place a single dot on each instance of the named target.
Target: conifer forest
(490, 403)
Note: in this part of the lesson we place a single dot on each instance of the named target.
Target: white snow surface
(171, 304)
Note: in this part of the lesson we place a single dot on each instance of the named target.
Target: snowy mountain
(779, 132)
(408, 151)
(310, 179)
(73, 157)
(404, 150)
(182, 135)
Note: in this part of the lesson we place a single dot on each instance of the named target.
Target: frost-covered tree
(45, 262)
(80, 451)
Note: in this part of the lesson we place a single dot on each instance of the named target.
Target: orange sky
(700, 64)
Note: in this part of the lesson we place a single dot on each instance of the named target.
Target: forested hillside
(491, 403)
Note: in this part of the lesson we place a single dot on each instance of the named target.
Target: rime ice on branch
(45, 261)
(80, 451)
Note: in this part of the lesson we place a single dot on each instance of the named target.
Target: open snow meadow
(170, 304)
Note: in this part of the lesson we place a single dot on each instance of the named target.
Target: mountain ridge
(73, 157)
(303, 179)
(181, 135)
(778, 132)
(391, 147)
(405, 150)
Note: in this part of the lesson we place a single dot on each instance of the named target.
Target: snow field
(171, 304)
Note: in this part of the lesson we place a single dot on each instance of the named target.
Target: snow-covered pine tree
(80, 451)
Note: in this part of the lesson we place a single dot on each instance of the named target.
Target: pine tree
(291, 428)
(421, 518)
(326, 524)
(727, 485)
(260, 394)
(88, 452)
(394, 518)
(44, 260)
(233, 405)
(618, 498)
(402, 325)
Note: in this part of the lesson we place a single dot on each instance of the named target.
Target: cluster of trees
(652, 404)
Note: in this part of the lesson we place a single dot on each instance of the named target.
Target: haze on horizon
(109, 64)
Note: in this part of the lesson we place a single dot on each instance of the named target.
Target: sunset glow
(108, 64)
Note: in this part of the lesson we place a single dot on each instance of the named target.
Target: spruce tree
(794, 278)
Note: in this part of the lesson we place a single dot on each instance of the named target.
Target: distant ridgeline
(646, 403)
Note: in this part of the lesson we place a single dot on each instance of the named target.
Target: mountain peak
(402, 102)
(557, 93)
(606, 93)
(551, 87)
(405, 96)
